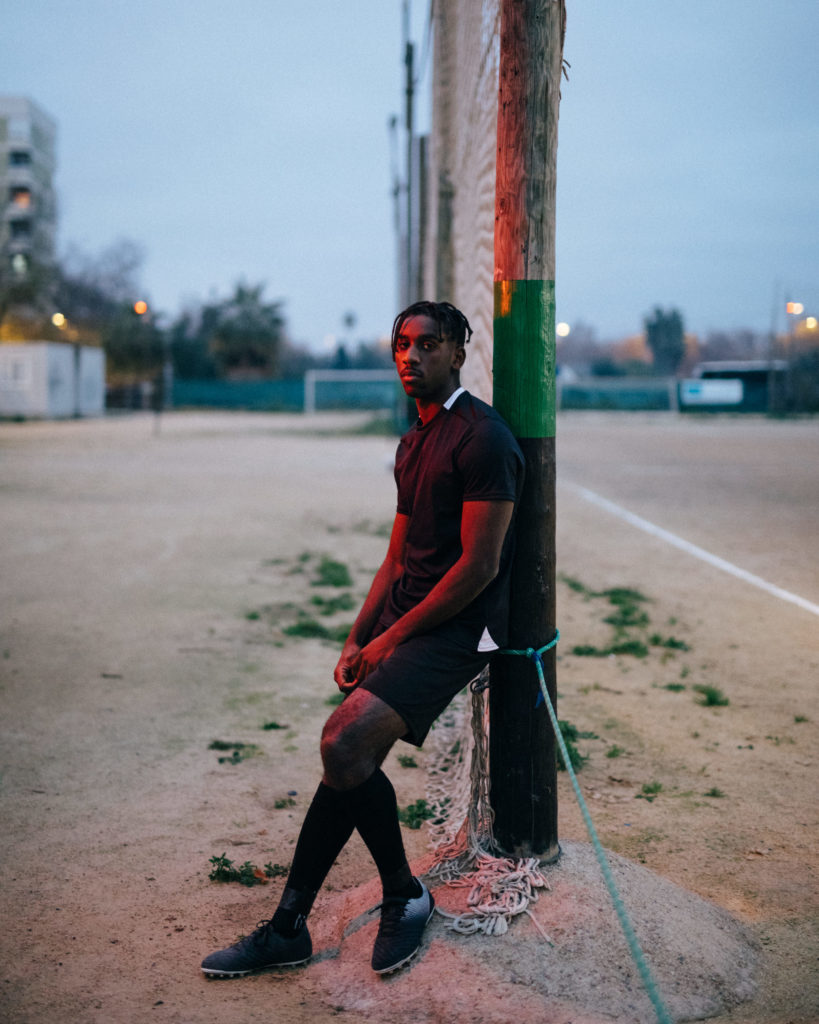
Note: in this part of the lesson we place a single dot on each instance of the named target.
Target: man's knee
(356, 739)
(339, 757)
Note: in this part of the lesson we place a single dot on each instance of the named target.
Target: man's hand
(346, 669)
(376, 652)
(356, 663)
(348, 674)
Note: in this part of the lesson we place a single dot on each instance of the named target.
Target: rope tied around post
(536, 655)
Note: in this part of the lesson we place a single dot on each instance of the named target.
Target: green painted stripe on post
(524, 356)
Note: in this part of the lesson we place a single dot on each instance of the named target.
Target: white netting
(459, 266)
(459, 260)
(467, 856)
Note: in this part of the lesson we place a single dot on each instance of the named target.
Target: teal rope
(645, 973)
(530, 652)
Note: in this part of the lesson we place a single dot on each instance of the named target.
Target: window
(20, 228)
(19, 158)
(20, 196)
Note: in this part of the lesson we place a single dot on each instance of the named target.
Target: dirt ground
(158, 590)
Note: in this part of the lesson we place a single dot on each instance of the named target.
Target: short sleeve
(490, 463)
(404, 499)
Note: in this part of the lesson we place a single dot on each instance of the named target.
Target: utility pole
(523, 769)
(409, 52)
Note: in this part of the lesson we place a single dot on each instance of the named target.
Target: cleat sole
(211, 972)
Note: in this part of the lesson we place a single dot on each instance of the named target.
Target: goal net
(351, 389)
(459, 253)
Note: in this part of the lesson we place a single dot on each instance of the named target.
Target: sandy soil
(148, 579)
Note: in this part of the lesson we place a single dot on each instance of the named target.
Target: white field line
(692, 549)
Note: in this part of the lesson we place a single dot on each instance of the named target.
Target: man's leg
(355, 742)
(356, 739)
(353, 793)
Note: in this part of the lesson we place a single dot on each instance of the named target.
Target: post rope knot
(536, 655)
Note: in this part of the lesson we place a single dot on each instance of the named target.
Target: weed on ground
(238, 751)
(629, 621)
(571, 734)
(414, 815)
(224, 870)
(710, 696)
(331, 573)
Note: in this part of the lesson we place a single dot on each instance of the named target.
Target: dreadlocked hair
(452, 324)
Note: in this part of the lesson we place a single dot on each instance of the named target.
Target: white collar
(453, 398)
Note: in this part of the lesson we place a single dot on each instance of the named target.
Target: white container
(51, 380)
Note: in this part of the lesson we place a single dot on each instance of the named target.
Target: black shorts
(421, 677)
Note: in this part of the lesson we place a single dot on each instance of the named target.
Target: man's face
(426, 362)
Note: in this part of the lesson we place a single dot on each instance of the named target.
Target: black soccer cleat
(263, 948)
(399, 933)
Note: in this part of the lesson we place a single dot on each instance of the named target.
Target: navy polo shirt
(465, 453)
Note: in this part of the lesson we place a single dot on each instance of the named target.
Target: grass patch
(626, 616)
(283, 802)
(674, 687)
(710, 696)
(330, 605)
(414, 815)
(635, 648)
(650, 790)
(571, 734)
(714, 792)
(238, 751)
(274, 725)
(627, 612)
(309, 629)
(670, 643)
(332, 574)
(622, 596)
(615, 751)
(575, 585)
(224, 870)
(339, 634)
(407, 761)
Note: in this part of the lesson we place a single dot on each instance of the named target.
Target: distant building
(28, 224)
(51, 380)
(738, 385)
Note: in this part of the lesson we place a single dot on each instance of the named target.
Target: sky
(249, 142)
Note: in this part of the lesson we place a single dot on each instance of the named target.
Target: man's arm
(483, 530)
(390, 571)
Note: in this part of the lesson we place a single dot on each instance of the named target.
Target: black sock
(291, 914)
(374, 810)
(326, 828)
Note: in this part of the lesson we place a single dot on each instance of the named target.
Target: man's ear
(459, 358)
